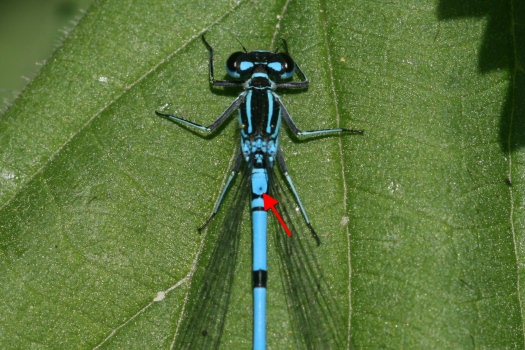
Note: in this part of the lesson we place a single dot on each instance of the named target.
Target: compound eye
(237, 65)
(287, 66)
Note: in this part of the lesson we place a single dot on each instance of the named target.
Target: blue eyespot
(276, 66)
(246, 65)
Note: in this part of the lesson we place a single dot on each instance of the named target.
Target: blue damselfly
(260, 111)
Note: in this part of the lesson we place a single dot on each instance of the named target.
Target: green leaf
(421, 219)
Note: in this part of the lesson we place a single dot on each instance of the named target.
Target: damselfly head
(242, 65)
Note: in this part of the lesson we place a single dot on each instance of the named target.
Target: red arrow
(269, 203)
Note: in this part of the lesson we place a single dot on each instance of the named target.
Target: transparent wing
(204, 318)
(317, 322)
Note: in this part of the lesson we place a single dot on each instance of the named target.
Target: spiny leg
(214, 82)
(236, 103)
(284, 170)
(235, 170)
(298, 132)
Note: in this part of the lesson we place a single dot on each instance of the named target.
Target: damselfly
(260, 110)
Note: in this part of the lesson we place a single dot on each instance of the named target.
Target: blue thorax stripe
(249, 111)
